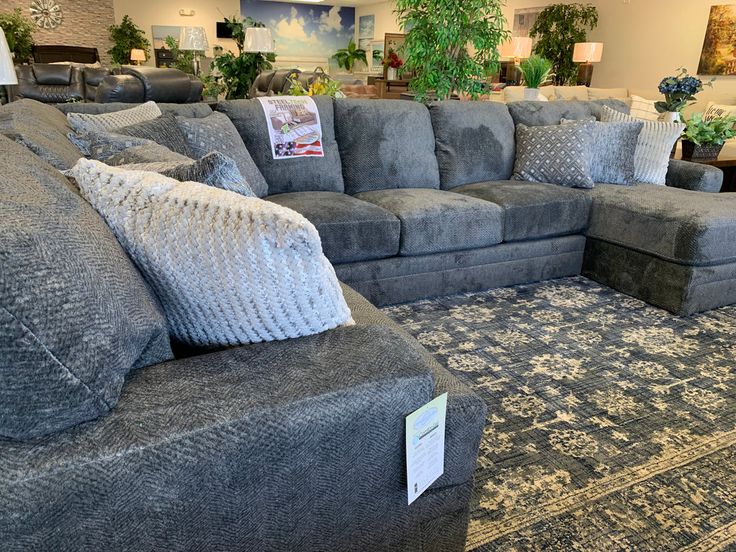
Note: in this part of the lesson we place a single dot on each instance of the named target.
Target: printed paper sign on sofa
(294, 126)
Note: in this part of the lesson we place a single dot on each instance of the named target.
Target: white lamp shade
(258, 39)
(136, 54)
(193, 38)
(587, 52)
(7, 68)
(517, 47)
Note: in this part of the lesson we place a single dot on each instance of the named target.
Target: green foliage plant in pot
(557, 28)
(183, 59)
(704, 139)
(238, 71)
(346, 57)
(125, 37)
(19, 34)
(452, 45)
(536, 71)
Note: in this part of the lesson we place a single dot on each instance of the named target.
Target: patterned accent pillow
(87, 122)
(217, 132)
(214, 169)
(103, 145)
(149, 153)
(228, 269)
(613, 151)
(162, 130)
(653, 148)
(558, 154)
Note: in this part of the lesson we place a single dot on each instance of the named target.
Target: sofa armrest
(291, 445)
(694, 176)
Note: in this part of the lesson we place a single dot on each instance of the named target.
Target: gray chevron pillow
(214, 169)
(558, 154)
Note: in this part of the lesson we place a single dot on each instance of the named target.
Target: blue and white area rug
(611, 425)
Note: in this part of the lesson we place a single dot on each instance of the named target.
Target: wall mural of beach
(304, 30)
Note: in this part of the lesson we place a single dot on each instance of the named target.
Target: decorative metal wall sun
(46, 13)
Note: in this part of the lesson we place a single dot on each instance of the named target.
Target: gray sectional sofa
(298, 445)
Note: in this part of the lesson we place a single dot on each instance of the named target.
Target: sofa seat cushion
(385, 144)
(433, 221)
(534, 210)
(685, 227)
(351, 230)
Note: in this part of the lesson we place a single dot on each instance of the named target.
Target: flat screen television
(223, 31)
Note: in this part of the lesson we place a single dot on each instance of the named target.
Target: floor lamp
(7, 69)
(193, 39)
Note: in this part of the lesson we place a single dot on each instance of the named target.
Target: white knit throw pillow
(227, 269)
(653, 147)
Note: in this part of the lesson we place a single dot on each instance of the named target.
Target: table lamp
(137, 56)
(258, 39)
(7, 67)
(517, 48)
(586, 54)
(193, 39)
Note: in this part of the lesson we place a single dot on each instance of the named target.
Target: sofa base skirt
(402, 279)
(680, 289)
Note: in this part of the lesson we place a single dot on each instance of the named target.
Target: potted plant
(322, 85)
(392, 63)
(451, 46)
(536, 70)
(346, 57)
(704, 139)
(557, 28)
(679, 91)
(19, 34)
(126, 37)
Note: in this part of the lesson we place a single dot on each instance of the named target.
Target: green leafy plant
(436, 49)
(346, 57)
(213, 86)
(713, 131)
(238, 71)
(126, 37)
(536, 71)
(19, 34)
(183, 59)
(557, 28)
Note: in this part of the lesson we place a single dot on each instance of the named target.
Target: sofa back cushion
(75, 314)
(474, 142)
(551, 113)
(298, 174)
(183, 110)
(385, 144)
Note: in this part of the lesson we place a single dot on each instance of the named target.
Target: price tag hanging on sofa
(425, 446)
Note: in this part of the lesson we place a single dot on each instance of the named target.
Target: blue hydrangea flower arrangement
(679, 91)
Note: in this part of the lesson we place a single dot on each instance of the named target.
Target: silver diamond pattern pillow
(216, 132)
(103, 122)
(613, 151)
(227, 269)
(558, 154)
(653, 148)
(214, 169)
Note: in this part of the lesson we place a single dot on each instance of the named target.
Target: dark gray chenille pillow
(557, 154)
(386, 144)
(75, 314)
(613, 151)
(214, 169)
(474, 142)
(104, 145)
(217, 133)
(163, 130)
(298, 174)
(148, 153)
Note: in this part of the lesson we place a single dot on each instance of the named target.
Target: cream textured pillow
(571, 93)
(643, 109)
(653, 148)
(607, 93)
(227, 269)
(104, 122)
(715, 111)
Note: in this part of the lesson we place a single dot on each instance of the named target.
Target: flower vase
(531, 94)
(670, 117)
(391, 73)
(690, 150)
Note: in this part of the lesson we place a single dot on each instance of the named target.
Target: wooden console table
(391, 89)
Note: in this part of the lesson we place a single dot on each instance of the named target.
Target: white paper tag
(425, 446)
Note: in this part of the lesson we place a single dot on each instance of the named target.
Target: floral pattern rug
(611, 423)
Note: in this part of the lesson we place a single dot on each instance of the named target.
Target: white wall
(646, 40)
(385, 19)
(146, 13)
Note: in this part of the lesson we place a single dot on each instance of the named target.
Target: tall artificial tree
(557, 28)
(436, 49)
(126, 37)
